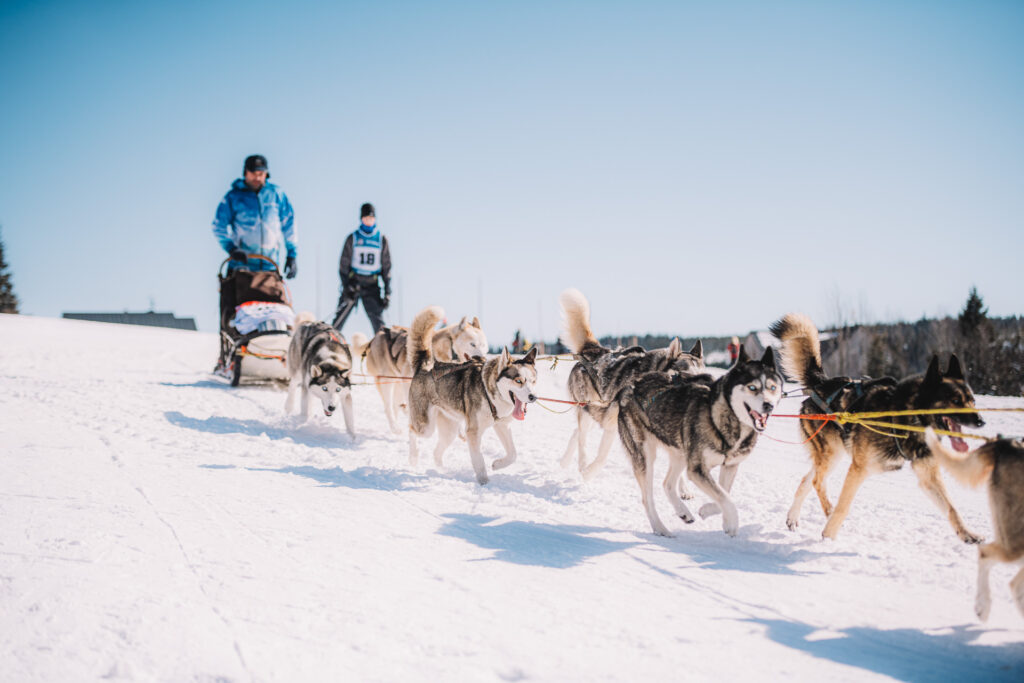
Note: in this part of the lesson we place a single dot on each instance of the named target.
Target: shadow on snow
(558, 546)
(313, 435)
(905, 654)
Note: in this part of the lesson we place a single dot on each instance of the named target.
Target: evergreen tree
(974, 318)
(8, 301)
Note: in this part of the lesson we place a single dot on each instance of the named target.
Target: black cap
(366, 210)
(255, 162)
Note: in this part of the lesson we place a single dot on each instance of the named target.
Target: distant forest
(992, 349)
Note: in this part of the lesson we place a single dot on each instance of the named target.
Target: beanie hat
(255, 162)
(366, 210)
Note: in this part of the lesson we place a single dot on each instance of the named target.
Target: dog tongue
(959, 445)
(519, 411)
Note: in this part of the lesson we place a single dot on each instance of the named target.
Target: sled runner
(256, 319)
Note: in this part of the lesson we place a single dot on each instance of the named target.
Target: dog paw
(731, 528)
(482, 479)
(792, 523)
(982, 607)
(969, 538)
(588, 473)
(502, 462)
(664, 532)
(709, 510)
(688, 518)
(686, 494)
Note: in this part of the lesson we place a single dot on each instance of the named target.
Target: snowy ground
(160, 525)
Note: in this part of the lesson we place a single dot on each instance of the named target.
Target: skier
(365, 265)
(255, 217)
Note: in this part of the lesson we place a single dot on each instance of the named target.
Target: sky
(681, 163)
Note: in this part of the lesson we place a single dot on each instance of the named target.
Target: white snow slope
(156, 524)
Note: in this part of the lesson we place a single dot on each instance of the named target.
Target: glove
(238, 255)
(290, 268)
(386, 301)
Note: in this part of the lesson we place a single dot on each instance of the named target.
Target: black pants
(369, 294)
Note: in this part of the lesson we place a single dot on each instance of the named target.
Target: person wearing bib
(365, 266)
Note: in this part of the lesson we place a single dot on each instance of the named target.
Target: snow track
(159, 525)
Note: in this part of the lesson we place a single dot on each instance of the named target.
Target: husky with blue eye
(319, 363)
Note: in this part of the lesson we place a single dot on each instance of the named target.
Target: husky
(600, 373)
(1000, 464)
(319, 363)
(473, 395)
(386, 359)
(871, 451)
(703, 423)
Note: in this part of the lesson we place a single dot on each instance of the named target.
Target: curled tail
(421, 337)
(576, 332)
(359, 344)
(971, 469)
(801, 350)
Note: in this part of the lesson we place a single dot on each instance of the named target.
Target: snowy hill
(159, 525)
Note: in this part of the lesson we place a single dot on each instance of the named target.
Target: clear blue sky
(694, 167)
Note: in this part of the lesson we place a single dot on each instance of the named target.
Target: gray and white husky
(319, 363)
(1000, 464)
(601, 373)
(703, 423)
(474, 396)
(386, 358)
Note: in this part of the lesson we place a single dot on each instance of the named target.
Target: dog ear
(933, 375)
(503, 359)
(698, 350)
(315, 371)
(769, 357)
(742, 357)
(954, 371)
(476, 322)
(462, 324)
(530, 357)
(675, 348)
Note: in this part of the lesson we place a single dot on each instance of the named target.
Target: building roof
(150, 318)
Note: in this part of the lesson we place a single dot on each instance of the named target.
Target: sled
(258, 354)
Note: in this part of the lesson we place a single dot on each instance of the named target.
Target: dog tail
(421, 337)
(801, 350)
(303, 318)
(971, 469)
(359, 344)
(576, 332)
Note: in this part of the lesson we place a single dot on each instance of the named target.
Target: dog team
(662, 399)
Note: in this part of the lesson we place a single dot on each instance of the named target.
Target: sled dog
(319, 363)
(872, 452)
(703, 423)
(601, 373)
(473, 395)
(1000, 464)
(386, 359)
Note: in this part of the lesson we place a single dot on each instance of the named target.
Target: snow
(160, 525)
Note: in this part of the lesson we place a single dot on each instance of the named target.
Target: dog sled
(256, 320)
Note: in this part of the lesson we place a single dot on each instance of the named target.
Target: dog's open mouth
(760, 421)
(959, 445)
(328, 411)
(519, 409)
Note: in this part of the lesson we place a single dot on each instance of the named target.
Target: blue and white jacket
(258, 223)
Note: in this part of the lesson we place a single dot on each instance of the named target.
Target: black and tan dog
(872, 452)
(1000, 464)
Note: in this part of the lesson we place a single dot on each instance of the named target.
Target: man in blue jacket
(365, 265)
(255, 217)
